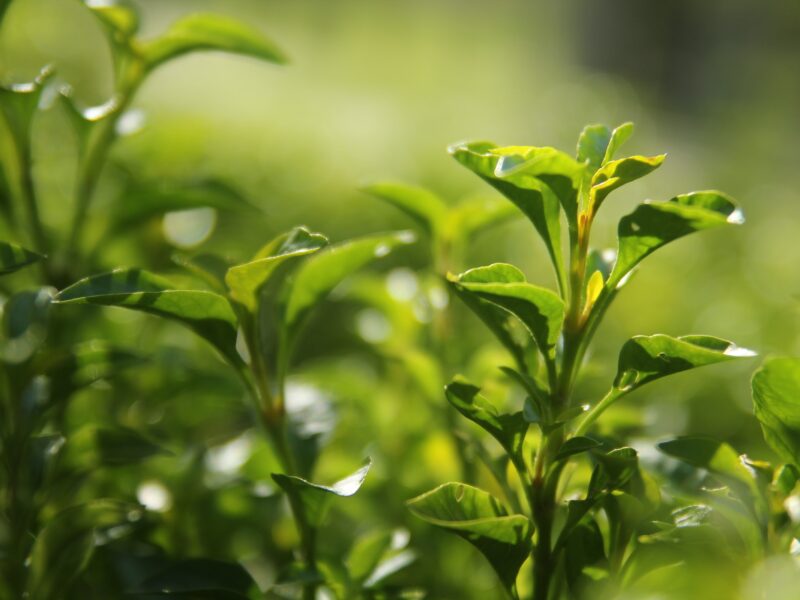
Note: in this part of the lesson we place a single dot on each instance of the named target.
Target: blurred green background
(378, 90)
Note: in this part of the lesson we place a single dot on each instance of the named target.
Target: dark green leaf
(107, 446)
(63, 548)
(13, 257)
(311, 501)
(540, 309)
(198, 575)
(576, 445)
(508, 429)
(206, 313)
(210, 32)
(776, 403)
(655, 224)
(25, 318)
(143, 201)
(646, 358)
(479, 518)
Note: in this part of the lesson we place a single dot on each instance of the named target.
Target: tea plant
(254, 321)
(547, 334)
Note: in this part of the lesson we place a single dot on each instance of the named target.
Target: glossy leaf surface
(312, 500)
(540, 309)
(655, 224)
(246, 279)
(508, 429)
(646, 358)
(206, 313)
(479, 518)
(321, 273)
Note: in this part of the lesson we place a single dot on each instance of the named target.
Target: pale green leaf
(203, 31)
(425, 207)
(776, 403)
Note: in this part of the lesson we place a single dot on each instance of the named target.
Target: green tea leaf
(208, 314)
(210, 32)
(143, 201)
(473, 216)
(655, 224)
(185, 578)
(112, 446)
(366, 553)
(593, 144)
(576, 445)
(540, 309)
(19, 103)
(245, 280)
(210, 268)
(66, 543)
(716, 457)
(481, 519)
(13, 257)
(618, 137)
(618, 172)
(508, 429)
(312, 501)
(536, 180)
(646, 358)
(776, 403)
(425, 207)
(320, 273)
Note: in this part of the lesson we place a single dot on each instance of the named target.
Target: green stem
(598, 409)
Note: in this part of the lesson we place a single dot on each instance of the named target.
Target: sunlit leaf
(210, 32)
(246, 279)
(481, 519)
(13, 257)
(619, 172)
(618, 137)
(508, 429)
(311, 501)
(593, 144)
(776, 403)
(118, 16)
(655, 224)
(540, 309)
(536, 180)
(646, 358)
(319, 274)
(206, 313)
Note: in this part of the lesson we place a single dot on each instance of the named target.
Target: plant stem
(612, 396)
